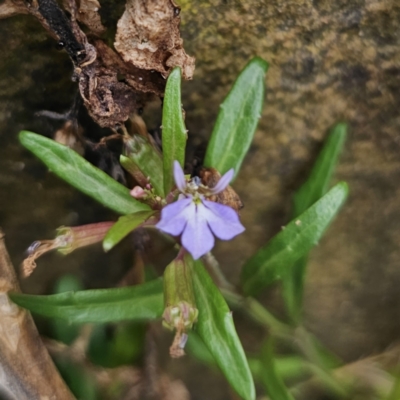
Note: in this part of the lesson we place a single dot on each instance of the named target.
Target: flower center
(196, 189)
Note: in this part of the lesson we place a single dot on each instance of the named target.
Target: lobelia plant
(193, 210)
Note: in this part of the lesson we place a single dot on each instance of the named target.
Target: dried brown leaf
(148, 37)
(71, 136)
(210, 177)
(10, 8)
(108, 101)
(144, 81)
(87, 13)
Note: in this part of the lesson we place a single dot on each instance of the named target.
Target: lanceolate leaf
(196, 347)
(293, 242)
(142, 302)
(61, 329)
(148, 160)
(173, 128)
(238, 118)
(123, 227)
(131, 167)
(317, 183)
(75, 170)
(312, 190)
(216, 329)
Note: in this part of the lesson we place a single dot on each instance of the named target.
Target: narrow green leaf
(238, 118)
(147, 160)
(293, 279)
(131, 167)
(293, 242)
(215, 327)
(75, 170)
(270, 377)
(61, 329)
(312, 190)
(318, 181)
(288, 367)
(196, 347)
(174, 134)
(123, 227)
(316, 352)
(142, 302)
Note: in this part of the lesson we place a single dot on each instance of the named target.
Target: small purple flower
(198, 219)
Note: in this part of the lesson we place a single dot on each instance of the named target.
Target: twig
(258, 313)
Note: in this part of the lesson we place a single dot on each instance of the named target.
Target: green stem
(212, 266)
(257, 312)
(248, 305)
(330, 381)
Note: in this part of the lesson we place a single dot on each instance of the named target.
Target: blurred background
(329, 62)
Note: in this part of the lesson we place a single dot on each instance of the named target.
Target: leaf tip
(175, 73)
(123, 159)
(344, 186)
(24, 135)
(341, 128)
(260, 62)
(107, 245)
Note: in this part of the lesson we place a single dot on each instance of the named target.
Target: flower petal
(223, 182)
(174, 216)
(197, 238)
(223, 220)
(179, 176)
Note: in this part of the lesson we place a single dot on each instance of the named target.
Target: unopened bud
(180, 311)
(138, 192)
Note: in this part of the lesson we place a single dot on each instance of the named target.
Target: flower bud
(137, 192)
(180, 311)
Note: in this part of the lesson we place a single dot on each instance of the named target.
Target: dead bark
(26, 369)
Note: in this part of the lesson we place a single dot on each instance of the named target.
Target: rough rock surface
(329, 62)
